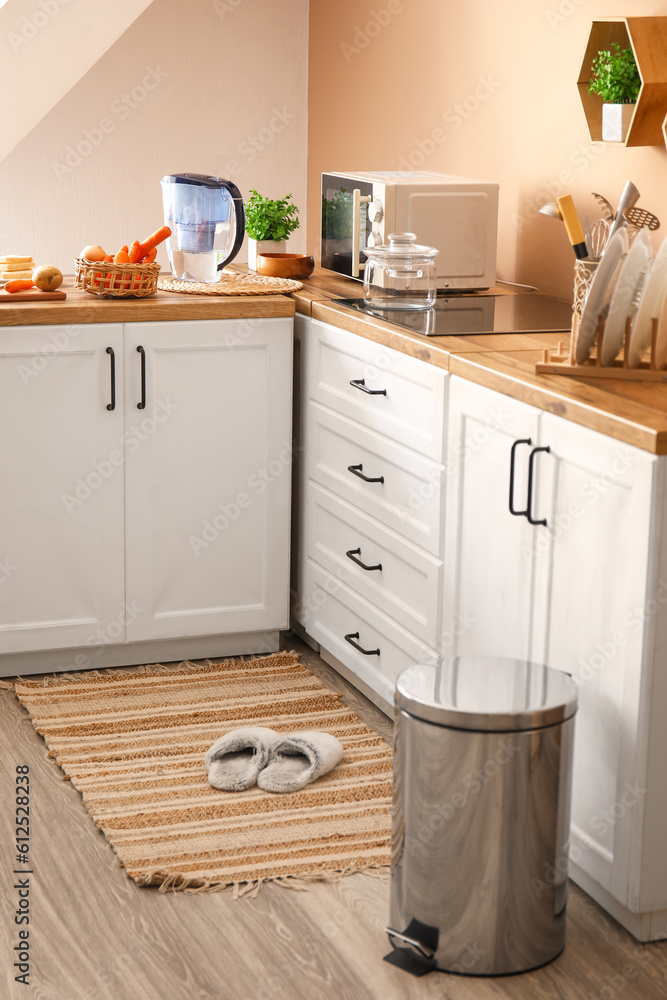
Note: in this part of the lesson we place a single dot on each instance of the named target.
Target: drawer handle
(112, 359)
(367, 652)
(517, 513)
(359, 383)
(357, 470)
(531, 461)
(353, 553)
(142, 404)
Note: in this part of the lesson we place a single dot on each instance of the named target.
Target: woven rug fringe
(179, 882)
(7, 685)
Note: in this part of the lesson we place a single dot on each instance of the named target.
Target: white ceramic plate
(661, 339)
(588, 325)
(632, 275)
(650, 307)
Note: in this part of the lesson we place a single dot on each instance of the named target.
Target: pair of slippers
(275, 763)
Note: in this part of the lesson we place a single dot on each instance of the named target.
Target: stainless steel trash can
(482, 780)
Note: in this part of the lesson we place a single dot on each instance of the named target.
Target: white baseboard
(643, 926)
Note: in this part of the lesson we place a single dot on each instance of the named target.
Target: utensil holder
(117, 280)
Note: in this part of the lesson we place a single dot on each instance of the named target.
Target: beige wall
(498, 80)
(210, 86)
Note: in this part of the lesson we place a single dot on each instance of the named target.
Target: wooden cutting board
(29, 295)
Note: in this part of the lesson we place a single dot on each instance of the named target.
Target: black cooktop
(475, 312)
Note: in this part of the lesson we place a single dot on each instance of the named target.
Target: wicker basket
(117, 280)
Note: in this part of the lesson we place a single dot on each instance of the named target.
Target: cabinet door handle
(358, 470)
(142, 404)
(353, 553)
(517, 513)
(360, 383)
(531, 461)
(367, 652)
(112, 361)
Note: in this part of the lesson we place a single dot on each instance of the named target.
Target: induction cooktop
(476, 313)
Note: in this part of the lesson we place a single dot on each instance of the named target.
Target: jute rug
(133, 743)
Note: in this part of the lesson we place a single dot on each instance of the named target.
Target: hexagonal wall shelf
(647, 36)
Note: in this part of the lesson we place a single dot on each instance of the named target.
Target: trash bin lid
(486, 693)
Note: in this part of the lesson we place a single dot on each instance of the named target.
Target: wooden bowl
(285, 265)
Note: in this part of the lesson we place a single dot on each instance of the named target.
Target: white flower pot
(263, 246)
(616, 120)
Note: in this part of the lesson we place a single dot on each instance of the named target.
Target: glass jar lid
(402, 245)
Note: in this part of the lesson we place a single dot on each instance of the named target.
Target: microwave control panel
(380, 215)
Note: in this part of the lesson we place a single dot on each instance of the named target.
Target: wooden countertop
(632, 412)
(81, 307)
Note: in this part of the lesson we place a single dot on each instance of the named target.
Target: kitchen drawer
(408, 587)
(413, 410)
(410, 498)
(334, 611)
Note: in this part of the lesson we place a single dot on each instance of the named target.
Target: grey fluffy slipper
(298, 759)
(235, 760)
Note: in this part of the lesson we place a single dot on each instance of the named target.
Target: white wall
(209, 86)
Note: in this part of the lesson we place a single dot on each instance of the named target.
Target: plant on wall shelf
(615, 78)
(615, 75)
(270, 220)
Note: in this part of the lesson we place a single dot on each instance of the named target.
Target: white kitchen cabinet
(572, 593)
(164, 516)
(61, 487)
(208, 469)
(369, 541)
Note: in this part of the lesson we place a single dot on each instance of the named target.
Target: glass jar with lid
(401, 275)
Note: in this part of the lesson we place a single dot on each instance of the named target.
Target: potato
(47, 277)
(93, 253)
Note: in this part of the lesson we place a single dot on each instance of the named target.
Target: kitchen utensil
(587, 235)
(588, 325)
(285, 265)
(552, 209)
(605, 206)
(401, 275)
(650, 308)
(31, 295)
(599, 238)
(631, 276)
(629, 198)
(573, 226)
(640, 218)
(207, 220)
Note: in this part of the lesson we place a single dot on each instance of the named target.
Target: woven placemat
(232, 284)
(133, 743)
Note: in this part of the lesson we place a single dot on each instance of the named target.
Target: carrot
(125, 248)
(19, 284)
(135, 252)
(108, 259)
(150, 256)
(159, 236)
(122, 257)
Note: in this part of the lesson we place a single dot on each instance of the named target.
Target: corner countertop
(82, 307)
(632, 412)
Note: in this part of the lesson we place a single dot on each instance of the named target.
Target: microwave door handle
(357, 200)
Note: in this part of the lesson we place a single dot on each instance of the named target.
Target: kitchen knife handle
(112, 359)
(142, 404)
(573, 226)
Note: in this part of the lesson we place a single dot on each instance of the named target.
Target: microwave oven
(457, 215)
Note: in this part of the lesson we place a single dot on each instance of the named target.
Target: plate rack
(559, 362)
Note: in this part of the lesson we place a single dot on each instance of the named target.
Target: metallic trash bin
(482, 781)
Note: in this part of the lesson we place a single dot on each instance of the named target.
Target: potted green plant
(268, 224)
(616, 80)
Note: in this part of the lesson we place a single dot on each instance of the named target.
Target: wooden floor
(94, 935)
